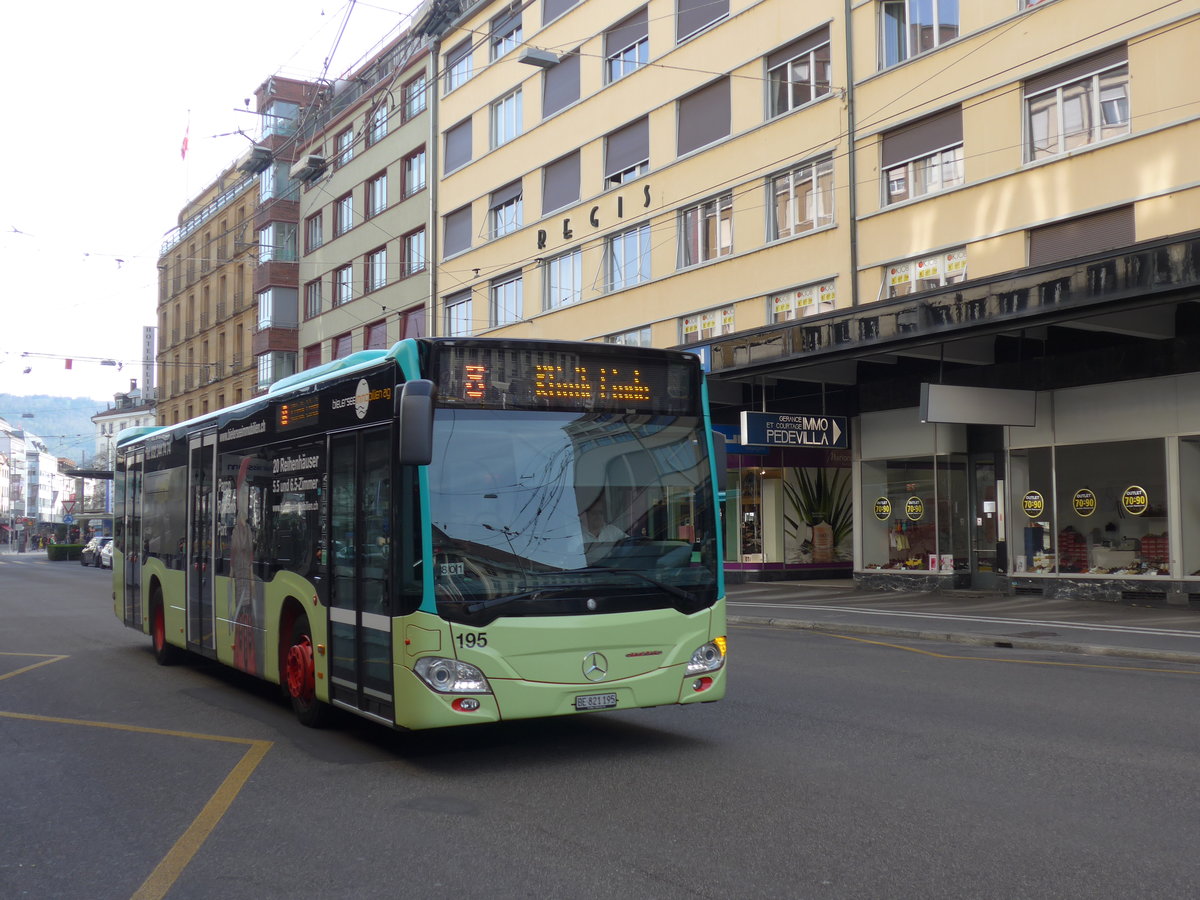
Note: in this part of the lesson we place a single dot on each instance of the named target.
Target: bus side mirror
(414, 415)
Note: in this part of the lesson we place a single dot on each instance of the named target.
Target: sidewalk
(972, 617)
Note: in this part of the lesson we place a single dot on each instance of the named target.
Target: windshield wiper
(669, 588)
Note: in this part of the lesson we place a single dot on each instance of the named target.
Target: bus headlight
(708, 657)
(449, 676)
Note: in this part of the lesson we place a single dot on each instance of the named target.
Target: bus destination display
(298, 413)
(547, 379)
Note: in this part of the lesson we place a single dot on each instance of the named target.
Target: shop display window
(1189, 500)
(912, 519)
(1093, 509)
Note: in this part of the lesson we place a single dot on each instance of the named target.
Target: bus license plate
(596, 701)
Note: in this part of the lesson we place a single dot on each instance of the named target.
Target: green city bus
(452, 531)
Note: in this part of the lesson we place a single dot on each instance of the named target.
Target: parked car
(90, 556)
(106, 553)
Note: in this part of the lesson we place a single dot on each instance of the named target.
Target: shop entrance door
(987, 556)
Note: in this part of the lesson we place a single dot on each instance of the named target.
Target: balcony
(276, 273)
(275, 338)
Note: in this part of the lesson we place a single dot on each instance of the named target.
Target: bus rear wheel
(300, 681)
(164, 654)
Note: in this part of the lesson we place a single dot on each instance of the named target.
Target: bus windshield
(541, 513)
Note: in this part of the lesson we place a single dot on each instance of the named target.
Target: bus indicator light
(465, 704)
(702, 684)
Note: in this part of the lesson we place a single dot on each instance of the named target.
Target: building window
(277, 242)
(706, 231)
(458, 65)
(414, 252)
(414, 172)
(703, 117)
(560, 84)
(639, 337)
(343, 285)
(412, 323)
(923, 157)
(413, 95)
(1077, 105)
(800, 72)
(271, 368)
(707, 325)
(458, 315)
(562, 279)
(910, 27)
(925, 273)
(344, 148)
(693, 16)
(506, 298)
(552, 9)
(375, 271)
(343, 214)
(504, 210)
(312, 299)
(560, 183)
(802, 198)
(801, 302)
(341, 346)
(377, 195)
(456, 231)
(375, 336)
(506, 33)
(378, 128)
(314, 232)
(626, 46)
(458, 145)
(506, 118)
(312, 356)
(1083, 235)
(627, 152)
(628, 258)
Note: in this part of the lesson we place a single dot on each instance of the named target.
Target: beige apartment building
(941, 261)
(363, 207)
(206, 313)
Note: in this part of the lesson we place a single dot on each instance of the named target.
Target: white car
(106, 553)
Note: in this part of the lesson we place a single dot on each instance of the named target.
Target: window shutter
(506, 193)
(626, 147)
(1076, 70)
(810, 41)
(1081, 236)
(552, 9)
(626, 32)
(560, 87)
(458, 145)
(457, 235)
(922, 137)
(692, 15)
(704, 116)
(560, 183)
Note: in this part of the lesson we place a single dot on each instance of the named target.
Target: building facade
(364, 208)
(847, 209)
(206, 314)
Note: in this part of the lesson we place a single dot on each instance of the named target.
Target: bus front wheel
(300, 677)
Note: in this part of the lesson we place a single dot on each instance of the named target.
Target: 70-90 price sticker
(1084, 502)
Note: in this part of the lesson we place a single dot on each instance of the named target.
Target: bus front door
(199, 549)
(360, 605)
(129, 486)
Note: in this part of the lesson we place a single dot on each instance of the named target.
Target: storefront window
(1112, 508)
(1034, 535)
(1189, 495)
(913, 517)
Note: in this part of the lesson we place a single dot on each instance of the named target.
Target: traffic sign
(68, 519)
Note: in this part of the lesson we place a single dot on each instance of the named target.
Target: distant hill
(64, 423)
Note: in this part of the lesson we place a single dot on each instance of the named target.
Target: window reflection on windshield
(559, 507)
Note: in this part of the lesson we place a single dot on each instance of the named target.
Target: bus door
(199, 547)
(361, 605)
(130, 488)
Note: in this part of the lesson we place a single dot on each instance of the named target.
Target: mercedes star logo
(595, 667)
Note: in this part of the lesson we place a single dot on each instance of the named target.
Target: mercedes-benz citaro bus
(452, 531)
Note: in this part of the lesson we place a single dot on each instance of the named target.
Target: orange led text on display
(553, 382)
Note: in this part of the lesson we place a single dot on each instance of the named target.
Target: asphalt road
(838, 767)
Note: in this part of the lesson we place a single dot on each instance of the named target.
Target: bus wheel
(300, 678)
(164, 654)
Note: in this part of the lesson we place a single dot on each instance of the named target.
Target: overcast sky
(99, 98)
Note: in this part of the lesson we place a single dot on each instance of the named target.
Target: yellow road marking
(46, 658)
(167, 872)
(1003, 659)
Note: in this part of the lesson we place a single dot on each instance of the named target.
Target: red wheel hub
(301, 678)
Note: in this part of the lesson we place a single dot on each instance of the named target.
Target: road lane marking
(46, 659)
(995, 620)
(1006, 659)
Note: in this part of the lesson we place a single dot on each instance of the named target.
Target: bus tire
(165, 654)
(300, 677)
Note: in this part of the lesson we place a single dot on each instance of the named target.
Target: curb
(975, 640)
